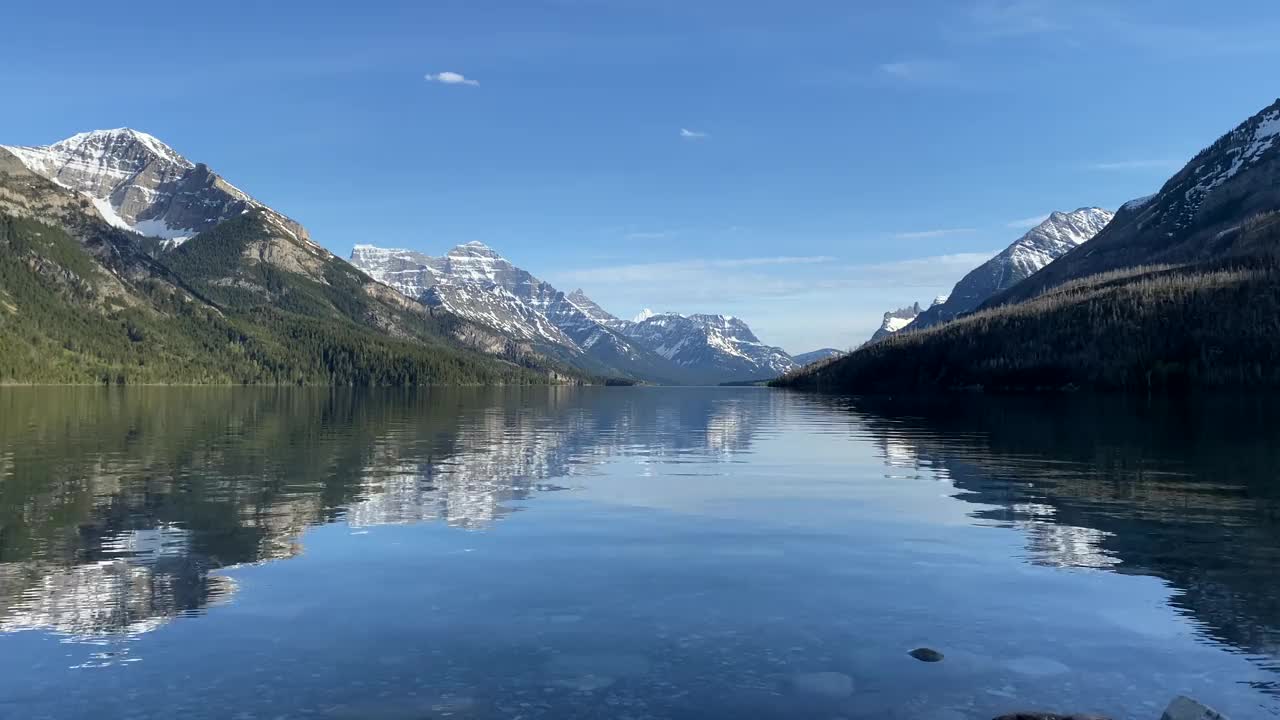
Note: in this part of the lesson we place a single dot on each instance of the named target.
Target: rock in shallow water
(1048, 716)
(825, 684)
(1184, 708)
(926, 655)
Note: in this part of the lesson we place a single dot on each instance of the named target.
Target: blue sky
(804, 165)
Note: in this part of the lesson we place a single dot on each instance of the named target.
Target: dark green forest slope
(1157, 327)
(1181, 290)
(246, 302)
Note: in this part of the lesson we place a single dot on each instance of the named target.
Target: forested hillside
(1144, 328)
(248, 301)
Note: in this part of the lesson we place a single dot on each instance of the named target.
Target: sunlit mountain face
(582, 544)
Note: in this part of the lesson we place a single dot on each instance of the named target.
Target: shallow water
(631, 553)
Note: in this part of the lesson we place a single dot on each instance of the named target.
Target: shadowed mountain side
(1167, 488)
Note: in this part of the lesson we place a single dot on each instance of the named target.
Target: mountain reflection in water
(125, 511)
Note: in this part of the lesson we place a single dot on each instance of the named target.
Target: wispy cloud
(688, 134)
(1025, 223)
(647, 234)
(925, 272)
(1012, 18)
(450, 78)
(1084, 23)
(915, 70)
(940, 232)
(1152, 164)
(921, 72)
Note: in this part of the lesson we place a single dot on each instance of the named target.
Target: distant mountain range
(225, 291)
(473, 281)
(135, 260)
(1177, 290)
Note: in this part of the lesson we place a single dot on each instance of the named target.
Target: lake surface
(631, 553)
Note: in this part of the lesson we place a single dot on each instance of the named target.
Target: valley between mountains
(122, 262)
(125, 262)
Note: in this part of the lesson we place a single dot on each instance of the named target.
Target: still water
(631, 553)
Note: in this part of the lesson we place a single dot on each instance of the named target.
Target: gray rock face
(474, 282)
(138, 183)
(716, 347)
(1059, 234)
(1197, 215)
(895, 321)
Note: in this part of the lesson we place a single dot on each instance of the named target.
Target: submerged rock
(1184, 708)
(925, 654)
(825, 684)
(1048, 716)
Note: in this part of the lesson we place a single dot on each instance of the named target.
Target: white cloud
(921, 72)
(899, 69)
(1026, 223)
(688, 134)
(647, 234)
(1137, 165)
(450, 78)
(941, 232)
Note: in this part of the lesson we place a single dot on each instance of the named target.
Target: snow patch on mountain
(1059, 234)
(140, 184)
(895, 320)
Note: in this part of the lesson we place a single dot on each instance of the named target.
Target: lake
(632, 553)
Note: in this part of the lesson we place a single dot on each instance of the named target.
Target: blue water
(631, 553)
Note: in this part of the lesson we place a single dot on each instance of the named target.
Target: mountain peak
(96, 144)
(643, 315)
(475, 248)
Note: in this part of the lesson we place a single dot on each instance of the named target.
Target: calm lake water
(631, 553)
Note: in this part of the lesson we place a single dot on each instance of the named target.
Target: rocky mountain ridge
(1057, 235)
(475, 282)
(140, 184)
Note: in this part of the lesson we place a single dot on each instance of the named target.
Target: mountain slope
(816, 355)
(138, 183)
(716, 348)
(1060, 233)
(249, 301)
(1192, 218)
(1181, 290)
(473, 281)
(895, 321)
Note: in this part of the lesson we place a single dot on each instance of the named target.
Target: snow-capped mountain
(719, 347)
(138, 183)
(475, 282)
(1198, 214)
(895, 320)
(814, 356)
(1059, 234)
